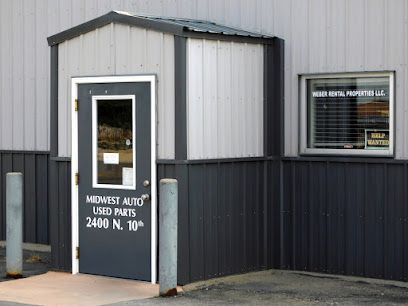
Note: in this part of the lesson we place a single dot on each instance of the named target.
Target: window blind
(348, 113)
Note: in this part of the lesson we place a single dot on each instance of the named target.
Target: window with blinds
(348, 113)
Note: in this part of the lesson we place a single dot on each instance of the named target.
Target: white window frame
(95, 100)
(304, 150)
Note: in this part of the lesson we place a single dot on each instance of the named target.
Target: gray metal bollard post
(168, 224)
(14, 224)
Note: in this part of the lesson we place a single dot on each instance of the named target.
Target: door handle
(145, 197)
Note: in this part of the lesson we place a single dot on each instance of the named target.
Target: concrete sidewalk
(272, 287)
(60, 289)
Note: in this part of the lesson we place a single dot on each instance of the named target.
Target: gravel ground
(272, 287)
(287, 288)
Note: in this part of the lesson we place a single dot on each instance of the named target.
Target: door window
(114, 155)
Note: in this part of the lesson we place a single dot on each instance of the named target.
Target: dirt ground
(272, 287)
(275, 287)
(34, 263)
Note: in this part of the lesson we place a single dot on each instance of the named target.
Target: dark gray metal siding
(346, 217)
(274, 97)
(228, 216)
(342, 217)
(180, 82)
(54, 102)
(60, 214)
(34, 166)
(59, 188)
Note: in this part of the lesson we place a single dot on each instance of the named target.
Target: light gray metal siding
(347, 36)
(320, 36)
(224, 99)
(24, 81)
(119, 50)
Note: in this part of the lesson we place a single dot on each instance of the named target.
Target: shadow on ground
(287, 288)
(34, 263)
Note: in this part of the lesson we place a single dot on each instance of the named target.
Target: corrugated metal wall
(320, 36)
(24, 76)
(345, 217)
(60, 214)
(344, 35)
(34, 166)
(113, 50)
(224, 99)
(229, 219)
(338, 216)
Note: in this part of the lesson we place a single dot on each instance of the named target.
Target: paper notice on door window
(127, 176)
(111, 158)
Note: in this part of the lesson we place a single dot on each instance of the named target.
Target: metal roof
(176, 26)
(196, 25)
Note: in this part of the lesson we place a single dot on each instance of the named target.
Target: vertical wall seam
(404, 226)
(2, 69)
(12, 92)
(266, 248)
(365, 215)
(2, 200)
(231, 90)
(189, 221)
(310, 201)
(326, 249)
(54, 102)
(215, 102)
(180, 82)
(384, 223)
(48, 200)
(35, 141)
(203, 102)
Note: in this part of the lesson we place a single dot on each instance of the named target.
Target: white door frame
(74, 161)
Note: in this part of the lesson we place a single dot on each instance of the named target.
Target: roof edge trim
(157, 25)
(112, 17)
(81, 29)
